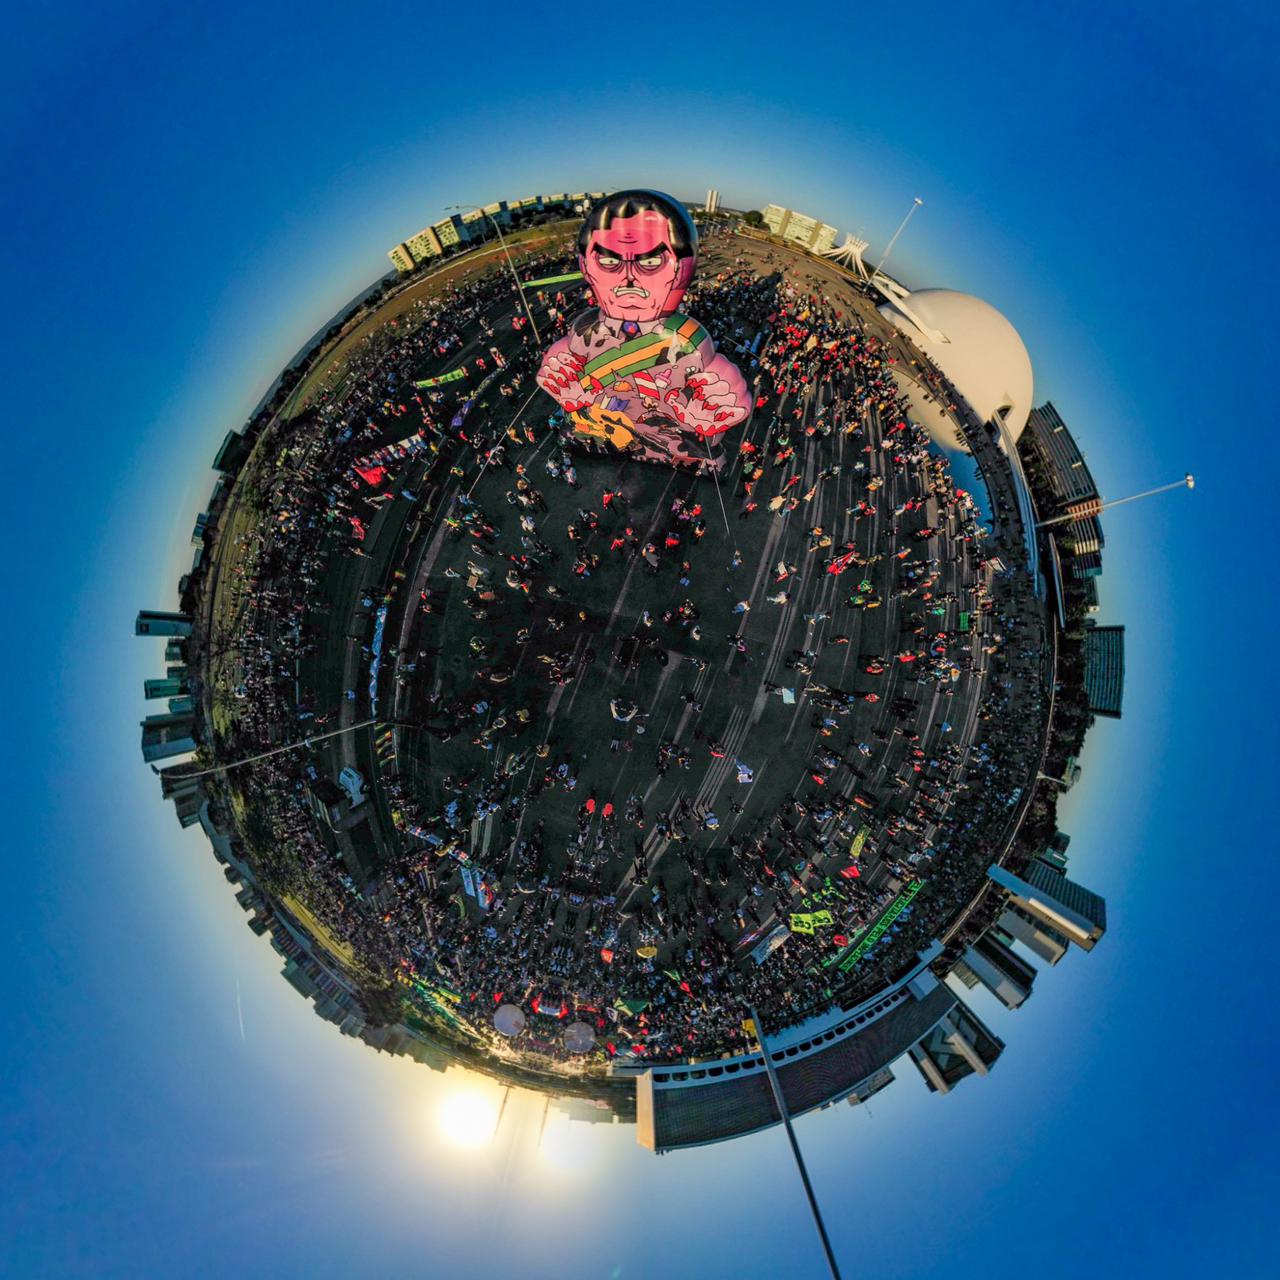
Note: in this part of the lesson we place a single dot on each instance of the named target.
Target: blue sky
(190, 190)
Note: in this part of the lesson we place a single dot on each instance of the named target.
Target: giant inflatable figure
(633, 370)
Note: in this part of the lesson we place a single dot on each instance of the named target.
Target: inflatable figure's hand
(559, 378)
(712, 407)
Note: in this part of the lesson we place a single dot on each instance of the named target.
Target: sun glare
(468, 1119)
(565, 1148)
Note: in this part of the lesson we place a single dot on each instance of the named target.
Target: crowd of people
(590, 666)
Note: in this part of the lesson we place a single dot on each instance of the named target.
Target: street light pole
(781, 1104)
(915, 204)
(293, 746)
(1187, 482)
(532, 323)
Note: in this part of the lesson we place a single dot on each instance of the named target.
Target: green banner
(536, 284)
(444, 377)
(858, 841)
(850, 956)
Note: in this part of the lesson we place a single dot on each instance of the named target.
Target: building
(452, 232)
(826, 1059)
(326, 799)
(585, 1110)
(1064, 487)
(401, 258)
(479, 222)
(1082, 539)
(188, 807)
(231, 453)
(165, 688)
(1001, 970)
(1051, 899)
(799, 228)
(958, 1046)
(977, 350)
(1088, 564)
(186, 794)
(713, 201)
(1055, 853)
(1042, 940)
(870, 1087)
(167, 735)
(1104, 669)
(152, 623)
(425, 245)
(1058, 460)
(417, 249)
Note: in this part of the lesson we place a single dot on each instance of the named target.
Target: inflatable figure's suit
(632, 370)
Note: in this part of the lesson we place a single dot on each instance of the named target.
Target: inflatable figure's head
(637, 250)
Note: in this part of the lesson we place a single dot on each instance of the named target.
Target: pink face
(633, 270)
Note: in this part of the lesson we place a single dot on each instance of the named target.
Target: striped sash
(679, 336)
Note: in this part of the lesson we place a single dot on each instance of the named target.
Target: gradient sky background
(191, 190)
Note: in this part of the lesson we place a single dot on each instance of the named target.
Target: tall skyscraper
(956, 1047)
(153, 623)
(1053, 900)
(165, 688)
(1043, 941)
(1002, 971)
(167, 735)
(1104, 669)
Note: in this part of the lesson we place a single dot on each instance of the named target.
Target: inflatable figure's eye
(609, 261)
(651, 261)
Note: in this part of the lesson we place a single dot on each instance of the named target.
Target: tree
(753, 218)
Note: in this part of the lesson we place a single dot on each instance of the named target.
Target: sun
(468, 1119)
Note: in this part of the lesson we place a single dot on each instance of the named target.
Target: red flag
(372, 475)
(841, 563)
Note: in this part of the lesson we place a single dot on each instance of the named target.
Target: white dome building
(976, 347)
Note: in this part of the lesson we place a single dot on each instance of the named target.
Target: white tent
(579, 1038)
(509, 1020)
